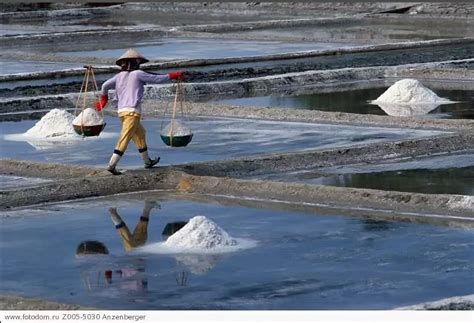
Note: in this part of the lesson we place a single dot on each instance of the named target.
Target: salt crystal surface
(179, 129)
(462, 202)
(56, 123)
(469, 299)
(410, 91)
(202, 233)
(88, 117)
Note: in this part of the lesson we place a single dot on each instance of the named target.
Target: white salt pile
(410, 91)
(88, 117)
(176, 128)
(56, 123)
(201, 233)
(199, 236)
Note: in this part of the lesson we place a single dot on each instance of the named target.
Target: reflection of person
(140, 234)
(130, 278)
(129, 88)
(91, 247)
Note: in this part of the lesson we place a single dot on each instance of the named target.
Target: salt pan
(56, 123)
(88, 117)
(201, 233)
(410, 91)
(179, 129)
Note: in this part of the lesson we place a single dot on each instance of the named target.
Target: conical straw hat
(130, 54)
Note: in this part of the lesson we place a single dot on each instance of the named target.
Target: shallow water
(378, 30)
(214, 139)
(14, 66)
(302, 261)
(11, 182)
(443, 174)
(357, 101)
(182, 48)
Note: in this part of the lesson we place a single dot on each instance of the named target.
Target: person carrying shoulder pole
(129, 88)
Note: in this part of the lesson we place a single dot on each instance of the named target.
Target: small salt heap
(409, 97)
(410, 91)
(88, 117)
(56, 123)
(176, 128)
(201, 233)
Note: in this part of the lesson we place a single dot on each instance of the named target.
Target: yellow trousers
(132, 129)
(139, 236)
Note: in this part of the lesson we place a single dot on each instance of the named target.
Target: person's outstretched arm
(159, 78)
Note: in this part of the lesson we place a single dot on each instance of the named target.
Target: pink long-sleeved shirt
(129, 88)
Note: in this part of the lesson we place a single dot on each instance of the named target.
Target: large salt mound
(200, 233)
(88, 117)
(179, 129)
(410, 91)
(56, 123)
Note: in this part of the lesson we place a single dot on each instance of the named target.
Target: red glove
(176, 76)
(99, 105)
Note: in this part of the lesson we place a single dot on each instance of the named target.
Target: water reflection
(107, 274)
(429, 181)
(198, 264)
(99, 274)
(358, 101)
(376, 225)
(406, 110)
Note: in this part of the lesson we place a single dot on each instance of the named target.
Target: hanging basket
(89, 122)
(177, 141)
(177, 133)
(89, 131)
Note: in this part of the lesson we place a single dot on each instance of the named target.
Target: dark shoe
(113, 170)
(152, 163)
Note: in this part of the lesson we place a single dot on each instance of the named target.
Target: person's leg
(122, 229)
(140, 234)
(129, 126)
(139, 139)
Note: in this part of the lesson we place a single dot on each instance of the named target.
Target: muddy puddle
(358, 101)
(300, 260)
(214, 139)
(442, 174)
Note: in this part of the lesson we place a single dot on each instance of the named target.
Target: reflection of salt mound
(407, 110)
(201, 233)
(88, 117)
(176, 128)
(198, 264)
(56, 123)
(409, 91)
